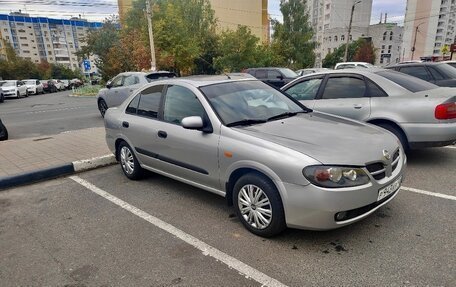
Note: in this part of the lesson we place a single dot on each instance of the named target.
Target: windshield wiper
(246, 122)
(285, 115)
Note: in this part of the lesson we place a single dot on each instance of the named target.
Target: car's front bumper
(315, 208)
(430, 135)
(31, 90)
(12, 93)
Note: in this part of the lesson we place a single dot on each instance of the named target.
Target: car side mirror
(192, 123)
(280, 77)
(109, 85)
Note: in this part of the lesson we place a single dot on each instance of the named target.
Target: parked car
(276, 161)
(66, 84)
(58, 84)
(14, 88)
(419, 113)
(451, 63)
(276, 77)
(3, 132)
(348, 65)
(76, 83)
(308, 71)
(122, 85)
(34, 86)
(49, 86)
(2, 97)
(440, 74)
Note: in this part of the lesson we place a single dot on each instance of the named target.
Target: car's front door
(275, 78)
(344, 95)
(189, 154)
(306, 90)
(114, 93)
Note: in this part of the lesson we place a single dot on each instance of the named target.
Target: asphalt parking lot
(101, 229)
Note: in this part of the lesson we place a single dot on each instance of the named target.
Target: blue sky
(100, 9)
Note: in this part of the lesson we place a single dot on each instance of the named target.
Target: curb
(56, 171)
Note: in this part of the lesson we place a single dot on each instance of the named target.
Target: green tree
(292, 39)
(238, 50)
(337, 55)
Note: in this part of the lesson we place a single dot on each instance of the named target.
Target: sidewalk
(22, 159)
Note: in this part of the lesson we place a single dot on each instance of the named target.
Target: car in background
(308, 71)
(76, 83)
(439, 73)
(14, 88)
(278, 163)
(350, 65)
(34, 86)
(3, 132)
(58, 84)
(276, 77)
(49, 86)
(66, 84)
(122, 85)
(419, 113)
(451, 63)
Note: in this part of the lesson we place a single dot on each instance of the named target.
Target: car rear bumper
(315, 208)
(430, 135)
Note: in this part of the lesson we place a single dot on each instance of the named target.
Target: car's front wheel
(258, 205)
(102, 107)
(128, 162)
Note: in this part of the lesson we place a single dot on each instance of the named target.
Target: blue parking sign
(87, 65)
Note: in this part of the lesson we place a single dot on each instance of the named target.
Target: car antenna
(228, 76)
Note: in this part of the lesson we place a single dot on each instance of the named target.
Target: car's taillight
(445, 111)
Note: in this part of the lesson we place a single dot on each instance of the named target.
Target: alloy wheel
(255, 207)
(126, 160)
(102, 106)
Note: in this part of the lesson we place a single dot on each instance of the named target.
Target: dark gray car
(440, 74)
(122, 85)
(277, 162)
(276, 77)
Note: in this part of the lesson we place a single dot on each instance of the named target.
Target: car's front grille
(378, 169)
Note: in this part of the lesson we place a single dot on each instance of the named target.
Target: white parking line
(207, 249)
(441, 195)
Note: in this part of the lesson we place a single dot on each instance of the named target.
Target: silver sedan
(419, 113)
(277, 162)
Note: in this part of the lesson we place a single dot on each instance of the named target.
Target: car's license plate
(384, 192)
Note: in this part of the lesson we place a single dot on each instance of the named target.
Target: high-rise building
(329, 17)
(40, 38)
(230, 14)
(428, 26)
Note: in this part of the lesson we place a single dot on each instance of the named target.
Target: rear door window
(344, 87)
(410, 83)
(261, 74)
(274, 75)
(149, 102)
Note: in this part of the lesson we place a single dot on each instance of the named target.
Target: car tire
(128, 162)
(102, 107)
(18, 95)
(270, 220)
(26, 94)
(398, 133)
(3, 132)
(2, 98)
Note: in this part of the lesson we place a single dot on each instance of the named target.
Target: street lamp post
(349, 30)
(414, 41)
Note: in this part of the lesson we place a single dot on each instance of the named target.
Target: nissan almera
(278, 163)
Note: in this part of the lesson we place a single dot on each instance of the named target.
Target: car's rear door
(345, 95)
(417, 71)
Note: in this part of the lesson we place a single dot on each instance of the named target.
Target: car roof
(207, 80)
(416, 64)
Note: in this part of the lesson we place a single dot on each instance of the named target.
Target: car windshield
(157, 76)
(249, 102)
(410, 83)
(288, 73)
(30, 82)
(9, 84)
(447, 70)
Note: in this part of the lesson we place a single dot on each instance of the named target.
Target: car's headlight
(335, 176)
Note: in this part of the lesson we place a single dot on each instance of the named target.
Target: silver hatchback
(277, 162)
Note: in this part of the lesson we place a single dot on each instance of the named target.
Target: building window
(26, 52)
(384, 36)
(335, 38)
(48, 45)
(50, 52)
(391, 35)
(24, 45)
(342, 37)
(329, 38)
(6, 30)
(19, 24)
(23, 38)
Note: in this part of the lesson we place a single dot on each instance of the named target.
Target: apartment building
(331, 18)
(230, 14)
(428, 26)
(46, 39)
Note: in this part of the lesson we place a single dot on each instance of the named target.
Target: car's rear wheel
(258, 205)
(102, 107)
(398, 133)
(128, 162)
(2, 98)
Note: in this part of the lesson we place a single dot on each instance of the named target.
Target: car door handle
(125, 124)
(357, 107)
(162, 134)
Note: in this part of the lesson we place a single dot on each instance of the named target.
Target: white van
(349, 65)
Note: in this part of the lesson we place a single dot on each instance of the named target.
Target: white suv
(14, 88)
(34, 86)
